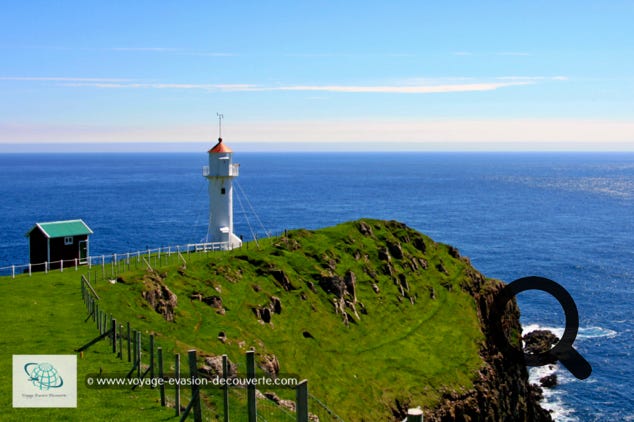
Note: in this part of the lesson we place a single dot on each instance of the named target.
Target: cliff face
(502, 391)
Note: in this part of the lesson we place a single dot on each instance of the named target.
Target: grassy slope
(44, 314)
(397, 351)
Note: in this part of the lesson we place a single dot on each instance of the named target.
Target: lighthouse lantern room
(220, 174)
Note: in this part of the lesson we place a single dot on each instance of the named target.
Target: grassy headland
(375, 315)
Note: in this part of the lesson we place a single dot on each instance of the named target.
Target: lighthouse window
(223, 191)
(68, 240)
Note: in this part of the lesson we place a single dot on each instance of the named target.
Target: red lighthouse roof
(220, 147)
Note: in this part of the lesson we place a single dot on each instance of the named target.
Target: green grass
(44, 314)
(396, 350)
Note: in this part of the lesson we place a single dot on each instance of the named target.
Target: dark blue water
(568, 217)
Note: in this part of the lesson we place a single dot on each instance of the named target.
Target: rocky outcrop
(539, 341)
(345, 294)
(265, 312)
(270, 365)
(280, 277)
(158, 295)
(214, 301)
(549, 381)
(213, 367)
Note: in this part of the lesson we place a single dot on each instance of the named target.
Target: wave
(584, 332)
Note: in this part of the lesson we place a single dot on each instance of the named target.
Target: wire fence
(110, 262)
(149, 366)
(109, 265)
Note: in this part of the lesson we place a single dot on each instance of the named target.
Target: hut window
(223, 191)
(68, 240)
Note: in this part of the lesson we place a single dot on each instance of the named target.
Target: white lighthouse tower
(220, 174)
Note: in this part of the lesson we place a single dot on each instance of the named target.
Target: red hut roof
(220, 147)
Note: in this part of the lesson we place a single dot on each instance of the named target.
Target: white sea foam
(553, 400)
(584, 332)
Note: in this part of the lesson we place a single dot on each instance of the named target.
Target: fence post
(301, 401)
(75, 264)
(251, 400)
(103, 267)
(46, 267)
(159, 353)
(415, 415)
(29, 269)
(61, 266)
(113, 325)
(129, 351)
(225, 388)
(193, 373)
(12, 271)
(177, 388)
(121, 341)
(152, 359)
(138, 353)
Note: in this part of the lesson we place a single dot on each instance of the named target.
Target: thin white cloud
(403, 89)
(410, 86)
(353, 89)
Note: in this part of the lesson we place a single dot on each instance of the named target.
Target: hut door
(83, 251)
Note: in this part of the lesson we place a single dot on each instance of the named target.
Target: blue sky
(487, 75)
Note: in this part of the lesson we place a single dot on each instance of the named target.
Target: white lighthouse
(220, 174)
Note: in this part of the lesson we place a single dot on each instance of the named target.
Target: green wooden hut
(58, 243)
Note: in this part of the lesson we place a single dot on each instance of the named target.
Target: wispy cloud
(352, 89)
(403, 89)
(409, 86)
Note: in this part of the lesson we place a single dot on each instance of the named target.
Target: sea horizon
(330, 146)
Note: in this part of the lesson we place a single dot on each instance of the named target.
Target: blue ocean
(565, 216)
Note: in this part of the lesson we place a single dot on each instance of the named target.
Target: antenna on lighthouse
(220, 117)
